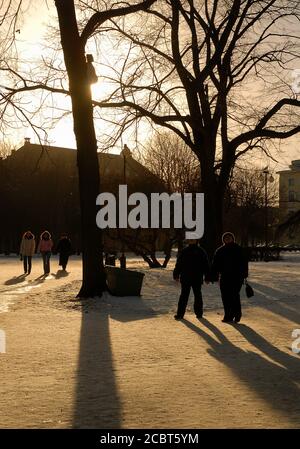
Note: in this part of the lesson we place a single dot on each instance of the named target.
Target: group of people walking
(229, 268)
(45, 248)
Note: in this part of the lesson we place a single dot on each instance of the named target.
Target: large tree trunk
(93, 283)
(213, 212)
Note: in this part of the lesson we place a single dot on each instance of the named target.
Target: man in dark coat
(64, 250)
(230, 268)
(191, 266)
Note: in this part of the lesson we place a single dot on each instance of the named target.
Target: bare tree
(291, 225)
(169, 158)
(74, 37)
(217, 74)
(246, 204)
(6, 149)
(144, 243)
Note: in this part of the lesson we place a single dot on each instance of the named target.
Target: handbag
(249, 290)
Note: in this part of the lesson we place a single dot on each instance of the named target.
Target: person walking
(230, 268)
(45, 247)
(191, 265)
(27, 249)
(64, 250)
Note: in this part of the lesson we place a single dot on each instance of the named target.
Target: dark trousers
(27, 263)
(63, 260)
(184, 296)
(230, 292)
(46, 262)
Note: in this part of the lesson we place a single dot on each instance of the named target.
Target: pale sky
(30, 38)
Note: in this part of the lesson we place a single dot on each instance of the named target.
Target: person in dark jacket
(64, 250)
(230, 268)
(191, 266)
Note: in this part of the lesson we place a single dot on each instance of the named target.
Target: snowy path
(272, 281)
(14, 284)
(126, 363)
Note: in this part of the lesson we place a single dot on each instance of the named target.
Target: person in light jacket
(27, 249)
(45, 248)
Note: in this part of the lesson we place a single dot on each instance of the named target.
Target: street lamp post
(266, 179)
(123, 257)
(266, 172)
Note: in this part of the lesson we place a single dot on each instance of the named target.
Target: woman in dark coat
(64, 250)
(230, 268)
(191, 266)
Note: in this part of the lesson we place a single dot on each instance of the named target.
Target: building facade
(289, 201)
(39, 190)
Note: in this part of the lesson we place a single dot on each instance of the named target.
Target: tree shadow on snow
(97, 403)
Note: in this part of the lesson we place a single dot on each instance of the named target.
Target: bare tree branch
(100, 17)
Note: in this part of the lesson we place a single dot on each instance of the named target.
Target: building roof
(33, 158)
(294, 167)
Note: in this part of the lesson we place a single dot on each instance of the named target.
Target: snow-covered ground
(126, 363)
(272, 281)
